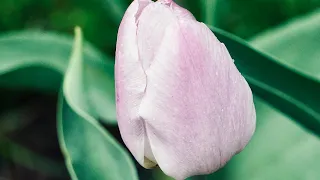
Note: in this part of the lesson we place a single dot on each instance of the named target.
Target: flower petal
(198, 109)
(130, 85)
(151, 26)
(181, 12)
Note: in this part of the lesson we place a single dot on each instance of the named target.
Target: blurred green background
(244, 18)
(29, 146)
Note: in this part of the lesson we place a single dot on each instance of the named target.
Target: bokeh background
(29, 146)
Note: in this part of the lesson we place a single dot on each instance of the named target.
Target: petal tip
(148, 164)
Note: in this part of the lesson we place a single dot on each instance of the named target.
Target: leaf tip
(78, 31)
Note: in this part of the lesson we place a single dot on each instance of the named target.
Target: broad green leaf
(296, 43)
(280, 148)
(89, 150)
(287, 89)
(37, 60)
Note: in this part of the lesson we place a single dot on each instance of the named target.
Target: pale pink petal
(197, 108)
(152, 23)
(142, 5)
(181, 12)
(130, 84)
(181, 102)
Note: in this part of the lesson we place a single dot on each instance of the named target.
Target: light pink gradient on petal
(181, 102)
(197, 107)
(152, 23)
(130, 85)
(180, 12)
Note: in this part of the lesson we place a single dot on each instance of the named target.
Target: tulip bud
(181, 102)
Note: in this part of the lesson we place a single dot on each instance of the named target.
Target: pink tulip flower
(181, 102)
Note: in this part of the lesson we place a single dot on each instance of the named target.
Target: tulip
(181, 102)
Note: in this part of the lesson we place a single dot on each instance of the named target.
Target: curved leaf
(90, 151)
(297, 43)
(290, 91)
(280, 149)
(38, 60)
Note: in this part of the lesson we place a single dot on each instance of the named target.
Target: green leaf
(89, 150)
(295, 43)
(280, 148)
(37, 60)
(287, 89)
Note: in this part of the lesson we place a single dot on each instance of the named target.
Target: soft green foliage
(247, 18)
(41, 59)
(280, 149)
(88, 148)
(290, 91)
(100, 18)
(296, 43)
(27, 54)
